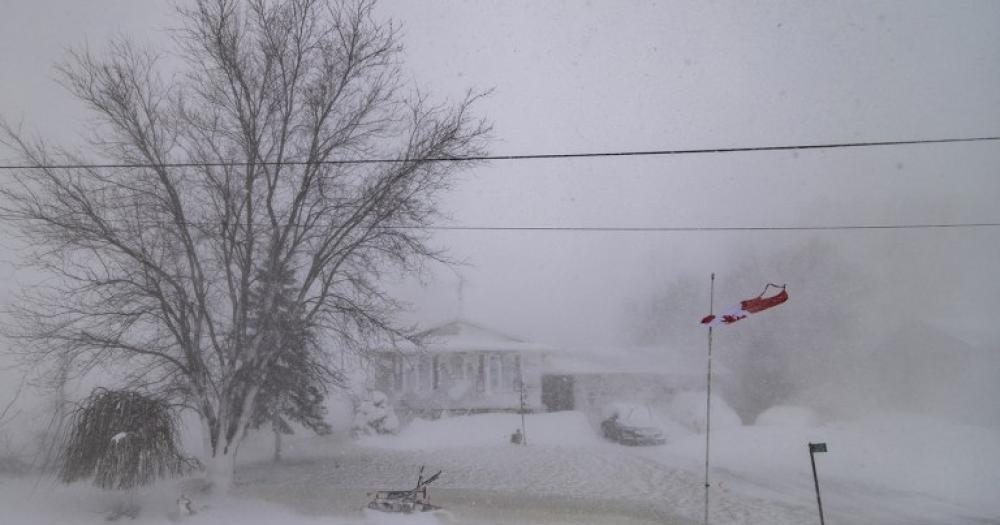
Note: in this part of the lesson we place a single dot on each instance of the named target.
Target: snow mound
(688, 409)
(26, 502)
(887, 468)
(373, 517)
(557, 428)
(788, 416)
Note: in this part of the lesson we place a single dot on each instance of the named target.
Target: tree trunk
(219, 470)
(220, 460)
(277, 446)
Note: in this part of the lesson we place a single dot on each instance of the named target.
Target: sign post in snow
(813, 449)
(524, 406)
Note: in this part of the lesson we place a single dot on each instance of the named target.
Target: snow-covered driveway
(568, 474)
(511, 485)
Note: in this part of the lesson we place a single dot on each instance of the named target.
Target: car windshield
(637, 416)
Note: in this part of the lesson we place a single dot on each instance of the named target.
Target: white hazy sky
(574, 76)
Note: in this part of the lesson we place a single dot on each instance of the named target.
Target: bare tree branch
(171, 272)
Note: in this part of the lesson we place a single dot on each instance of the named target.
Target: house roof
(460, 335)
(634, 360)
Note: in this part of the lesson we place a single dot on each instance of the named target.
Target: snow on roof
(634, 360)
(460, 335)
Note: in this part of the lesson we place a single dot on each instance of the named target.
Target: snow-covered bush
(375, 416)
(688, 409)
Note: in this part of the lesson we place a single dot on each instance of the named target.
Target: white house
(465, 368)
(588, 381)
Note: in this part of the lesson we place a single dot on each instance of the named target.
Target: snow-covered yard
(886, 469)
(900, 469)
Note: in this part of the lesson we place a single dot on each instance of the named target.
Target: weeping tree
(122, 439)
(250, 157)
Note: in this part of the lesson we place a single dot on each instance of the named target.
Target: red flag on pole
(750, 306)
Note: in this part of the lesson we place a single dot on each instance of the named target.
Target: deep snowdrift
(896, 468)
(891, 469)
(888, 468)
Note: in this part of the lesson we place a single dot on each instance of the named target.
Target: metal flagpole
(708, 397)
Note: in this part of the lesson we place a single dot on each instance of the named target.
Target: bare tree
(6, 415)
(10, 452)
(224, 176)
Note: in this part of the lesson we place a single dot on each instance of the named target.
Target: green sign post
(813, 449)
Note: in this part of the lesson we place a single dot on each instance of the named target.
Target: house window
(436, 370)
(511, 372)
(425, 373)
(481, 373)
(455, 367)
(411, 379)
(469, 362)
(397, 372)
(495, 372)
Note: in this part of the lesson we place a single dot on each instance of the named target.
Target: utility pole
(708, 400)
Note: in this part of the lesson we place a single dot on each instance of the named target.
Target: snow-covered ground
(886, 469)
(898, 469)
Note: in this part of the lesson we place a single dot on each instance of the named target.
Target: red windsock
(745, 308)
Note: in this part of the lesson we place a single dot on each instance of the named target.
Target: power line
(842, 227)
(476, 158)
(639, 229)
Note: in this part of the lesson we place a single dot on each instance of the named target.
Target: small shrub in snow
(375, 416)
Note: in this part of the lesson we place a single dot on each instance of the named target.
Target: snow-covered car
(631, 424)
